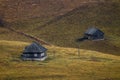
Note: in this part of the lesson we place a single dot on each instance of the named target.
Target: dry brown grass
(64, 65)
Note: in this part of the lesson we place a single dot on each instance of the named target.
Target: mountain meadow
(59, 23)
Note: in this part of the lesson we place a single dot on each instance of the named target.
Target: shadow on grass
(102, 46)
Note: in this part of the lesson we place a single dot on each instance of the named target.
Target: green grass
(62, 64)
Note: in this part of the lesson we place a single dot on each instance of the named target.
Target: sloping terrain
(60, 22)
(6, 34)
(62, 64)
(66, 29)
(17, 10)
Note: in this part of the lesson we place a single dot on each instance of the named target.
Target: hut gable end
(35, 47)
(94, 34)
(34, 52)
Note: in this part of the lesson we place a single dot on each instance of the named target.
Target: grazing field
(62, 64)
(60, 25)
(64, 30)
(6, 34)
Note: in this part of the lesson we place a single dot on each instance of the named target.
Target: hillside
(62, 63)
(17, 10)
(64, 30)
(6, 34)
(60, 23)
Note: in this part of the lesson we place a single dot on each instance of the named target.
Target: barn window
(26, 55)
(35, 55)
(42, 54)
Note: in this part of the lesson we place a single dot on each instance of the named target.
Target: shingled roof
(35, 47)
(94, 31)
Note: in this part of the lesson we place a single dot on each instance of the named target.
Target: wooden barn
(34, 52)
(94, 34)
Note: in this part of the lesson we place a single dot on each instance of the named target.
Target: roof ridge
(35, 47)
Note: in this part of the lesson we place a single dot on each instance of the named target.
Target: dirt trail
(29, 36)
(57, 18)
(61, 15)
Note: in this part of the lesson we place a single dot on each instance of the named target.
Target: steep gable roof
(93, 31)
(35, 47)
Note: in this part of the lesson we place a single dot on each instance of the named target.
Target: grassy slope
(64, 32)
(92, 65)
(6, 34)
(24, 10)
(65, 65)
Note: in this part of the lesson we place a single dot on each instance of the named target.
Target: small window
(42, 54)
(35, 55)
(26, 55)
